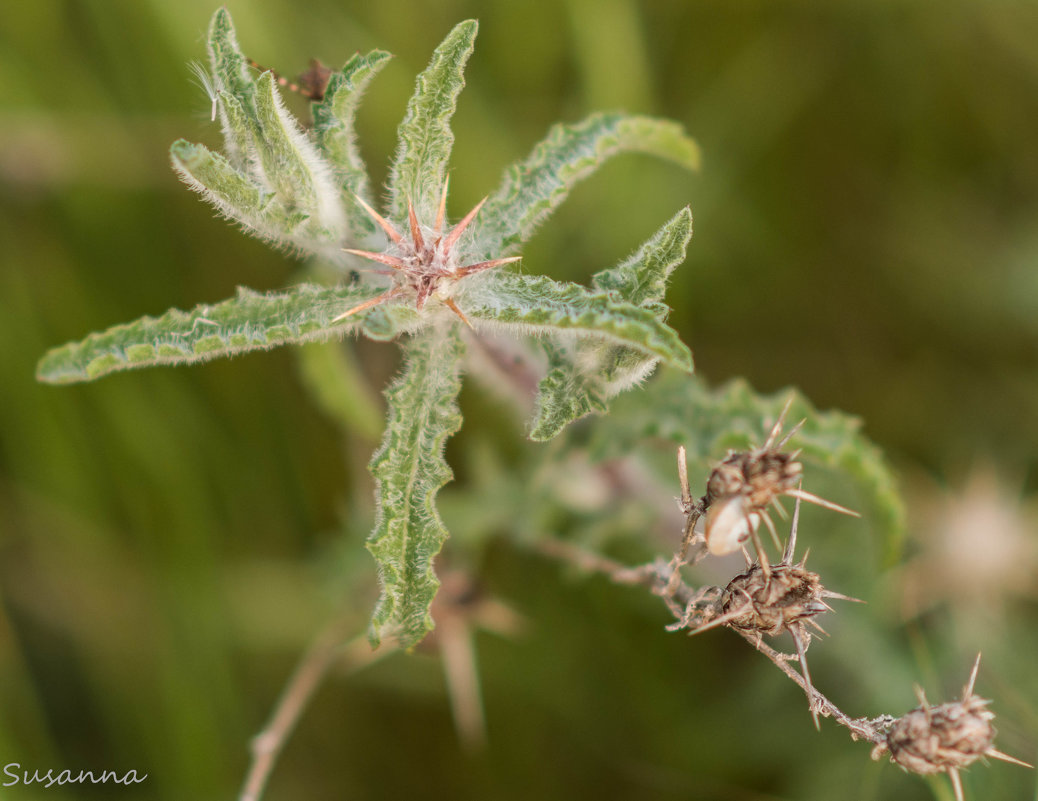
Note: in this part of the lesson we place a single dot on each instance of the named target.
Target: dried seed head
(945, 738)
(936, 739)
(759, 475)
(741, 489)
(773, 604)
(770, 600)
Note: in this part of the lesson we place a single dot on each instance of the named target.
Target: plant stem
(659, 577)
(860, 728)
(327, 647)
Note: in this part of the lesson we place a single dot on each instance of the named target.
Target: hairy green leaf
(334, 119)
(409, 470)
(425, 137)
(580, 379)
(530, 190)
(232, 76)
(709, 422)
(249, 321)
(300, 179)
(294, 201)
(536, 305)
(642, 279)
(231, 192)
(564, 394)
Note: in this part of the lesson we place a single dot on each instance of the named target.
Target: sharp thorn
(416, 231)
(812, 498)
(791, 543)
(792, 433)
(450, 304)
(920, 695)
(771, 529)
(369, 303)
(996, 754)
(386, 226)
(383, 258)
(441, 213)
(775, 429)
(841, 597)
(808, 687)
(968, 689)
(458, 229)
(821, 631)
(718, 621)
(469, 269)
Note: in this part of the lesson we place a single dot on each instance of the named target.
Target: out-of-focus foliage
(865, 231)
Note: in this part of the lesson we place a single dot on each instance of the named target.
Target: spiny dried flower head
(771, 604)
(424, 263)
(944, 738)
(741, 489)
(770, 600)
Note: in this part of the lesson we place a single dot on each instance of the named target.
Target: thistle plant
(400, 270)
(308, 193)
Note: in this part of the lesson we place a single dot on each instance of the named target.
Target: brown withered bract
(424, 263)
(944, 738)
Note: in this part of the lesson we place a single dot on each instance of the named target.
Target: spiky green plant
(438, 287)
(308, 192)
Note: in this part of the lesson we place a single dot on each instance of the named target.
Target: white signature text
(13, 774)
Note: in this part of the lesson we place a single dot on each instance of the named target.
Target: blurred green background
(170, 540)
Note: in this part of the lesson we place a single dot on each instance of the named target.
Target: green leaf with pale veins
(425, 138)
(581, 378)
(536, 305)
(334, 128)
(531, 189)
(409, 470)
(249, 321)
(708, 422)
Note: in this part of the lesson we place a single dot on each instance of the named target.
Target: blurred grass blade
(336, 382)
(249, 321)
(581, 379)
(409, 470)
(425, 138)
(536, 305)
(530, 190)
